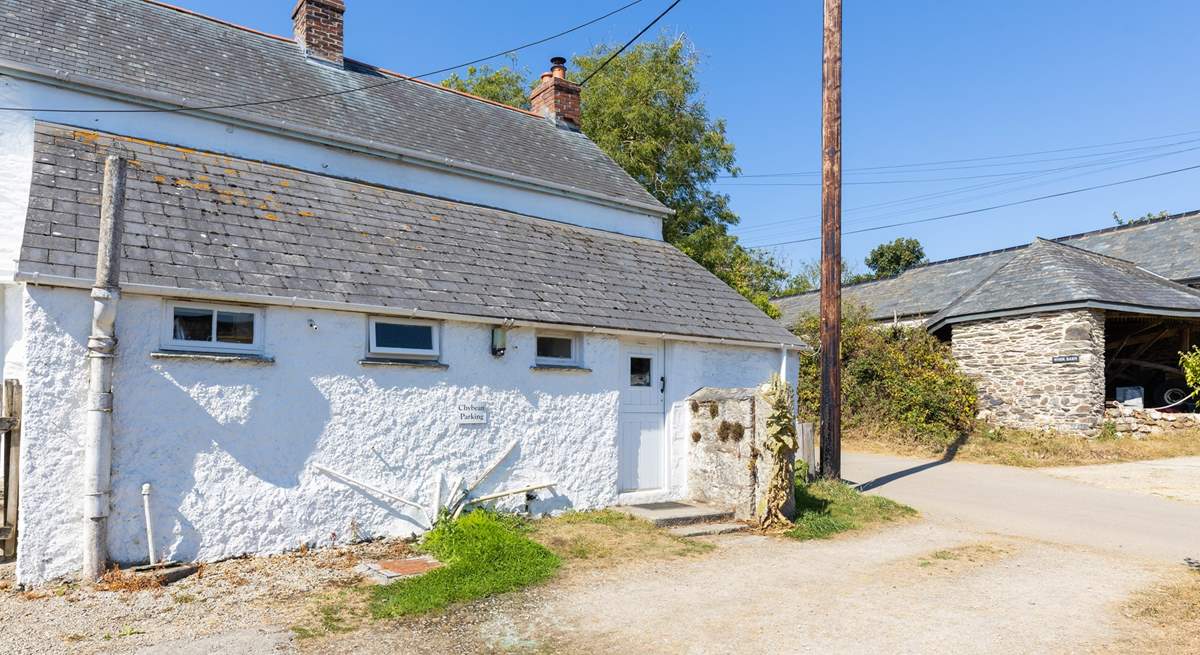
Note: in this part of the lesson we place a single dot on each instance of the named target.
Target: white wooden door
(642, 446)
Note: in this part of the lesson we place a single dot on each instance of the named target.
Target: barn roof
(1165, 246)
(1048, 274)
(207, 222)
(177, 58)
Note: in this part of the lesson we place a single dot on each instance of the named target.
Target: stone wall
(727, 463)
(1136, 421)
(1013, 360)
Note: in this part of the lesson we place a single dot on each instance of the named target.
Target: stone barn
(1059, 331)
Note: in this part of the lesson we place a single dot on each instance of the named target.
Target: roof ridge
(379, 69)
(219, 21)
(466, 94)
(1132, 267)
(1077, 235)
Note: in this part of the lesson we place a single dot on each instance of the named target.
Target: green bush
(897, 377)
(1190, 363)
(484, 553)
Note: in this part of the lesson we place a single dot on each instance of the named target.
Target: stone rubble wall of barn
(1020, 385)
(229, 447)
(1136, 421)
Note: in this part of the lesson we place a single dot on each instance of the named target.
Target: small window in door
(639, 371)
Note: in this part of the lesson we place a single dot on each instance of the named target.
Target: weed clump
(484, 553)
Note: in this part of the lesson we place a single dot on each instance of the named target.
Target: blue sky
(924, 81)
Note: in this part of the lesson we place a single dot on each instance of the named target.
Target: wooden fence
(10, 447)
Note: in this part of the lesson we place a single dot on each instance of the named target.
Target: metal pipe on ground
(102, 349)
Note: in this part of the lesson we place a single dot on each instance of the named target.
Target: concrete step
(707, 529)
(670, 514)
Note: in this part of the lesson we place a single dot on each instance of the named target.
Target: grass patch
(1169, 614)
(1031, 448)
(605, 537)
(484, 554)
(826, 508)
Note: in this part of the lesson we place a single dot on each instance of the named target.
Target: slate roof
(1165, 246)
(150, 50)
(210, 222)
(1047, 274)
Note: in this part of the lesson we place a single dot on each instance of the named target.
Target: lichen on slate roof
(210, 222)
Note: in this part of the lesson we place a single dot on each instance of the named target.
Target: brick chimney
(556, 97)
(317, 26)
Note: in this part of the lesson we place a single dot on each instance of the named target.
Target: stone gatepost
(728, 464)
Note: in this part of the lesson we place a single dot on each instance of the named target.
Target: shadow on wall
(231, 446)
(185, 418)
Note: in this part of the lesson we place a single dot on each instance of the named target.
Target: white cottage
(385, 279)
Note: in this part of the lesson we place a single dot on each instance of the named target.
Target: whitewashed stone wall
(229, 447)
(1020, 385)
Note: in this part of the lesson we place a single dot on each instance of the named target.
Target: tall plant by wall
(781, 443)
(1190, 363)
(896, 378)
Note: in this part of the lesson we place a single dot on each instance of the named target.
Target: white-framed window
(216, 328)
(403, 337)
(559, 349)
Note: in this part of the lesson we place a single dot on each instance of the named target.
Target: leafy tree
(1149, 216)
(643, 110)
(892, 259)
(506, 85)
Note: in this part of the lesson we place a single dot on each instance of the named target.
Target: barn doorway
(1142, 359)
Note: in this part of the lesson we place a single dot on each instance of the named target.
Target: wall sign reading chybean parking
(472, 414)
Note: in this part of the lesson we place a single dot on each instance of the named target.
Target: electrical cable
(991, 208)
(315, 96)
(629, 42)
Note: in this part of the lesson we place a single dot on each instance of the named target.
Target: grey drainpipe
(102, 349)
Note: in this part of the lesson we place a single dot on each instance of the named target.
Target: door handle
(663, 389)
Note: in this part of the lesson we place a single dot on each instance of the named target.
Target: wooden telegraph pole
(831, 244)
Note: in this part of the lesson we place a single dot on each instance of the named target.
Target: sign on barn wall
(472, 414)
(1065, 359)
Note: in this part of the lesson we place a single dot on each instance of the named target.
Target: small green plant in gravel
(484, 554)
(826, 507)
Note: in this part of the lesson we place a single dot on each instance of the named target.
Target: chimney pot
(318, 28)
(557, 97)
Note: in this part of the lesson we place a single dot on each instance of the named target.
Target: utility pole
(831, 244)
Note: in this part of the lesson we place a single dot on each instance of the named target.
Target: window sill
(201, 356)
(560, 367)
(409, 363)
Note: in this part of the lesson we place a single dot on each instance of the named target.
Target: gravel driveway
(1177, 478)
(924, 587)
(1002, 561)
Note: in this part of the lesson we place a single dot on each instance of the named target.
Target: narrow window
(210, 327)
(408, 338)
(558, 350)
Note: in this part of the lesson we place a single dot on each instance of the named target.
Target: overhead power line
(316, 96)
(890, 167)
(1107, 164)
(629, 42)
(991, 208)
